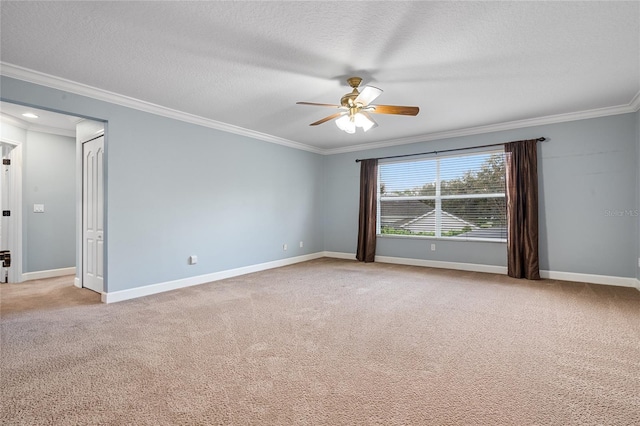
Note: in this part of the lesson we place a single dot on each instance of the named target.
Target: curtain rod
(437, 152)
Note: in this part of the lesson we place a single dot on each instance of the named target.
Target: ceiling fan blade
(331, 117)
(368, 94)
(315, 104)
(394, 109)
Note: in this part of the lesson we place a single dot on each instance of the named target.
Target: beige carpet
(326, 342)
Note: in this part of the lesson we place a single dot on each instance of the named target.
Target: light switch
(38, 208)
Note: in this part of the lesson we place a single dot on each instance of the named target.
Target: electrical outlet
(193, 260)
(433, 247)
(301, 244)
(284, 247)
(38, 208)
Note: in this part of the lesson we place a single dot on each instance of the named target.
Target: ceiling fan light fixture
(361, 120)
(345, 124)
(356, 108)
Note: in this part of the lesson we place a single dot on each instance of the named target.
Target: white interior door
(93, 214)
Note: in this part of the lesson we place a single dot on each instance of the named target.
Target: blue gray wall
(587, 177)
(48, 166)
(177, 189)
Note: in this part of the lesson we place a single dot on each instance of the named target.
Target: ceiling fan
(356, 108)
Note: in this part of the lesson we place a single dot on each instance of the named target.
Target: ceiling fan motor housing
(344, 101)
(354, 82)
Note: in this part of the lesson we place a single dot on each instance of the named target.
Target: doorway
(75, 130)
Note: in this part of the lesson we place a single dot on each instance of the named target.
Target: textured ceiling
(465, 64)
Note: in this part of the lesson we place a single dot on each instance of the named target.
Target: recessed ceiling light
(29, 115)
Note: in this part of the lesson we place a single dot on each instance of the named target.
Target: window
(458, 197)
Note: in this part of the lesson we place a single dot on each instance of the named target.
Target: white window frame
(438, 197)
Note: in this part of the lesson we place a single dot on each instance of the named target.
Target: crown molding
(42, 79)
(7, 119)
(36, 77)
(631, 107)
(52, 130)
(4, 118)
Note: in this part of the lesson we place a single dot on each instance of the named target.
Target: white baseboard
(51, 273)
(77, 283)
(118, 296)
(473, 267)
(589, 278)
(339, 255)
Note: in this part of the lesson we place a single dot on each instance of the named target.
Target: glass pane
(474, 218)
(408, 178)
(472, 174)
(407, 217)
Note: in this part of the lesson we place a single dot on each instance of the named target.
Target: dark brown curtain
(522, 209)
(368, 209)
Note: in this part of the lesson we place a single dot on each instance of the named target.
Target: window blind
(458, 196)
